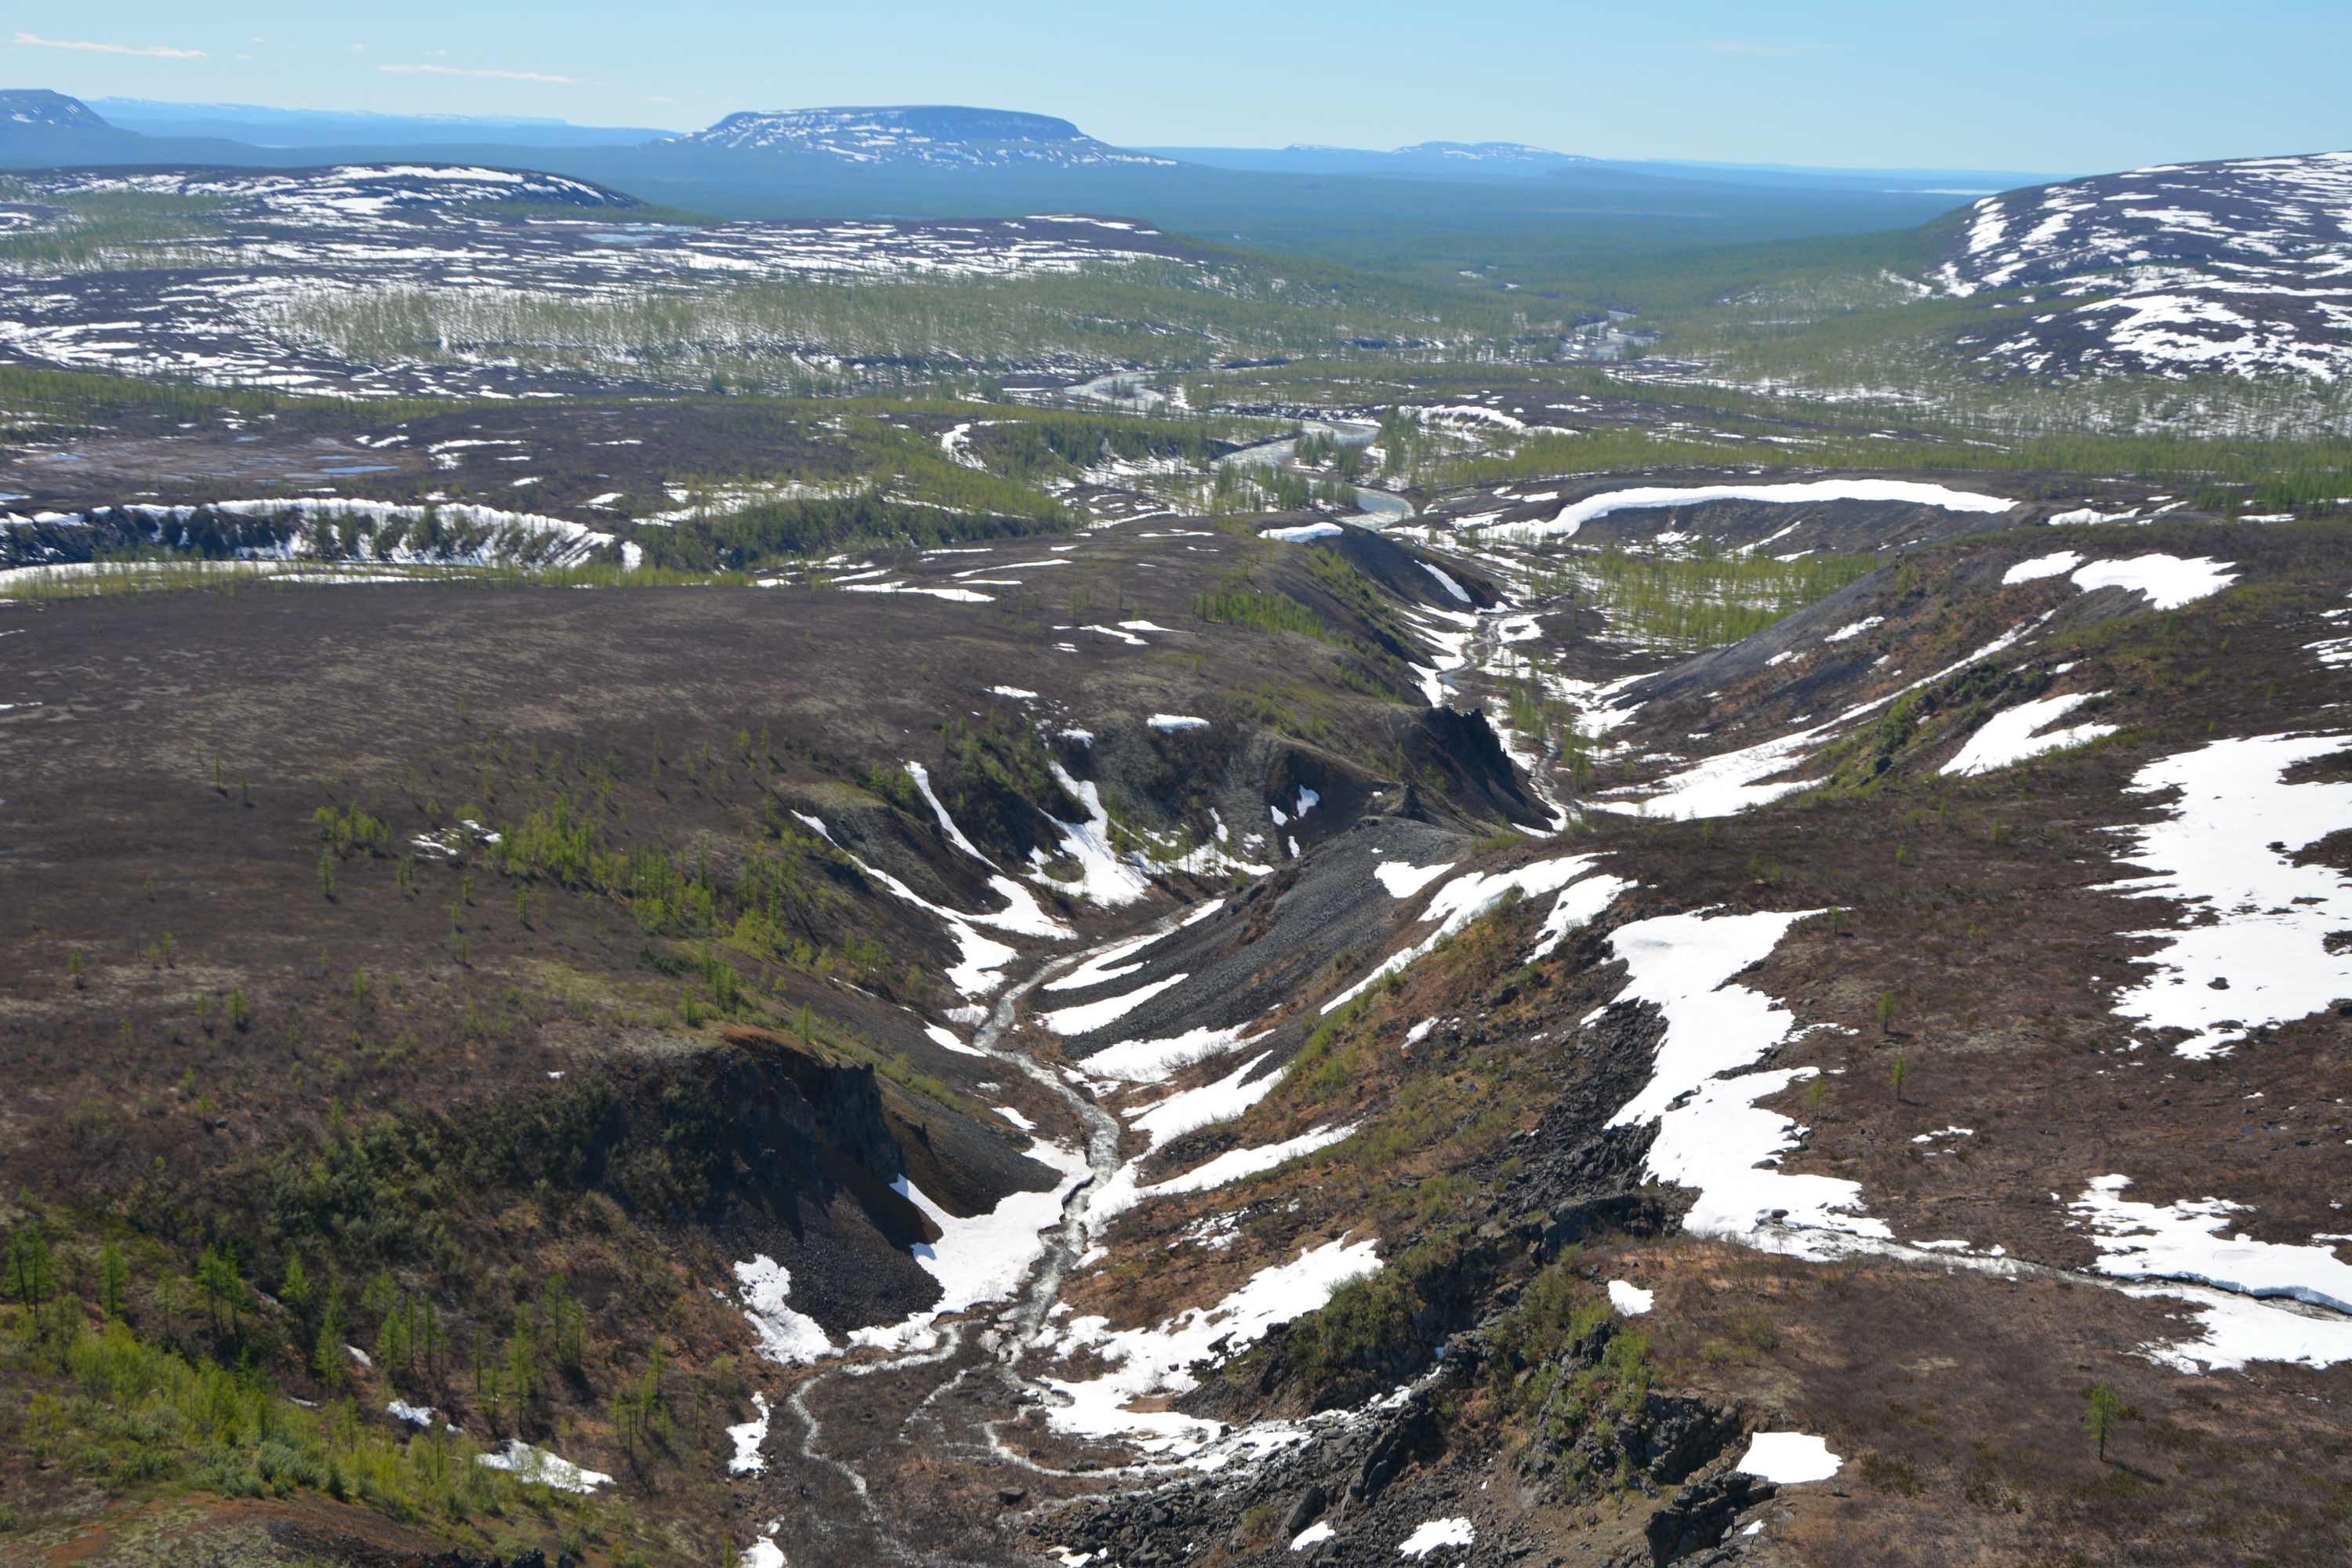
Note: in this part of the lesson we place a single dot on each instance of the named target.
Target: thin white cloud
(159, 52)
(503, 76)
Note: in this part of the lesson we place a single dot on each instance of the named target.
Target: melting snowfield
(2184, 1240)
(1577, 514)
(2017, 733)
(2254, 950)
(2232, 823)
(2235, 267)
(2168, 582)
(1153, 1360)
(1712, 1136)
(295, 249)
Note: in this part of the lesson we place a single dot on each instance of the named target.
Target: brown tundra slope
(1005, 1069)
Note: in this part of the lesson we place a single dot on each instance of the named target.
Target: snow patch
(1149, 1061)
(2010, 736)
(748, 1437)
(975, 972)
(1789, 1459)
(2269, 919)
(1434, 1534)
(537, 1465)
(1447, 583)
(1089, 1016)
(2056, 565)
(790, 1338)
(2168, 581)
(1190, 1110)
(1576, 515)
(1103, 877)
(946, 1041)
(1235, 1163)
(1578, 904)
(2184, 1240)
(1712, 1135)
(1403, 881)
(986, 1257)
(1464, 899)
(1630, 1298)
(1148, 1362)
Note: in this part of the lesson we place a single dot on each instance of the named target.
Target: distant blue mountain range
(260, 127)
(1517, 161)
(1431, 208)
(947, 136)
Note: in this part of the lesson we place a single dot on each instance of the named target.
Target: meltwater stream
(1015, 1328)
(1380, 508)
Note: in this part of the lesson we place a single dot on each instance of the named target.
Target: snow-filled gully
(1016, 1327)
(1107, 1186)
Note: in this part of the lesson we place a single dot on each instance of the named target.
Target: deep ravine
(999, 1342)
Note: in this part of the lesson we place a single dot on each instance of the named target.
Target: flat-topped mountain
(40, 105)
(942, 135)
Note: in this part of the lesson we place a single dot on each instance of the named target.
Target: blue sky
(2070, 86)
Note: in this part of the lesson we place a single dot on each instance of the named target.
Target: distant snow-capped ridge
(941, 136)
(1489, 153)
(2241, 266)
(341, 190)
(40, 105)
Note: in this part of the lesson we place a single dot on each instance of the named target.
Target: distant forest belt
(1136, 312)
(1542, 228)
(793, 529)
(35, 397)
(1696, 602)
(2310, 471)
